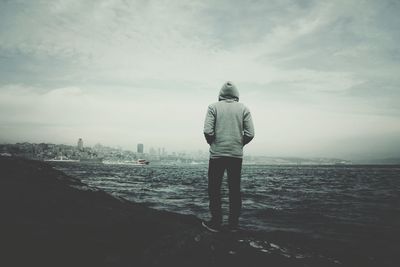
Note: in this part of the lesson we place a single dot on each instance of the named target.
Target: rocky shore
(51, 219)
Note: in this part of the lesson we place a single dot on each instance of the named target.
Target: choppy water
(339, 202)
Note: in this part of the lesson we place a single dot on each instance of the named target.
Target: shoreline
(53, 219)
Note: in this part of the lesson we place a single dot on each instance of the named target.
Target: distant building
(140, 148)
(80, 144)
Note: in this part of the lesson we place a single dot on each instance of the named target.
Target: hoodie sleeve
(248, 127)
(209, 125)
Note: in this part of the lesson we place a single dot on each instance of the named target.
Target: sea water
(336, 202)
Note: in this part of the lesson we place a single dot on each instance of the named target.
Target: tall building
(80, 144)
(140, 148)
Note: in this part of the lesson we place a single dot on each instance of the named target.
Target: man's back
(228, 125)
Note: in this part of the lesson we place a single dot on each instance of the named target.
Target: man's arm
(209, 125)
(248, 127)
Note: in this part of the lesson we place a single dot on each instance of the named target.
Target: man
(227, 128)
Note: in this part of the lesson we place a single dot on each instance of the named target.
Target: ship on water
(139, 162)
(142, 162)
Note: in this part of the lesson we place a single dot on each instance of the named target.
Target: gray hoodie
(228, 125)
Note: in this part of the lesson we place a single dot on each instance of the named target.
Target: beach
(52, 219)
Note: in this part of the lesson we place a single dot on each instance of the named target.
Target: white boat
(142, 162)
(139, 162)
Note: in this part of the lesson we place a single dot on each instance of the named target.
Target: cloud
(313, 72)
(64, 114)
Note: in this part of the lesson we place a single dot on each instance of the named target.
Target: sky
(321, 78)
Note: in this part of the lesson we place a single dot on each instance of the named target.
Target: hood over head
(228, 91)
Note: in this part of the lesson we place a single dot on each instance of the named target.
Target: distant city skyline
(112, 155)
(320, 77)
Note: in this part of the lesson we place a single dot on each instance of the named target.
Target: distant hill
(389, 161)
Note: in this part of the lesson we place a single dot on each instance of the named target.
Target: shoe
(212, 227)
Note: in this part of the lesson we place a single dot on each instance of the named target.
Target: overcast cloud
(321, 78)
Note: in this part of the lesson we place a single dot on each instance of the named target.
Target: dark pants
(216, 169)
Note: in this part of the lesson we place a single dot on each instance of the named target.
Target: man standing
(228, 127)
